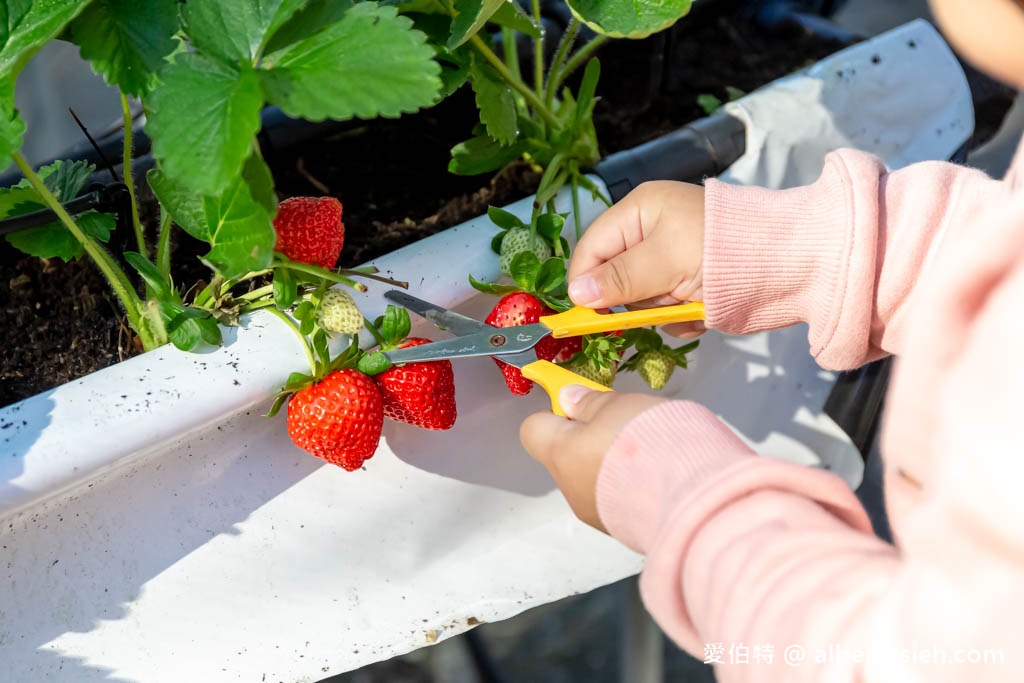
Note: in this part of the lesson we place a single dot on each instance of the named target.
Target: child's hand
(647, 250)
(573, 449)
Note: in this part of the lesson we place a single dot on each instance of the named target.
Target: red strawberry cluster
(339, 419)
(520, 308)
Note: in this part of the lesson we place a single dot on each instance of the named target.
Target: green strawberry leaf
(25, 26)
(636, 19)
(286, 289)
(524, 270)
(396, 325)
(371, 62)
(202, 120)
(150, 273)
(709, 103)
(53, 240)
(511, 15)
(241, 234)
(504, 219)
(17, 201)
(184, 205)
(491, 288)
(496, 103)
(585, 101)
(497, 240)
(549, 226)
(12, 128)
(237, 228)
(551, 275)
(234, 30)
(127, 41)
(320, 346)
(261, 182)
(374, 363)
(482, 154)
(305, 311)
(470, 18)
(209, 331)
(65, 179)
(308, 21)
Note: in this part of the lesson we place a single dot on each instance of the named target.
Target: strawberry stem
(126, 172)
(163, 245)
(321, 272)
(356, 272)
(575, 187)
(381, 342)
(564, 45)
(577, 59)
(118, 281)
(302, 338)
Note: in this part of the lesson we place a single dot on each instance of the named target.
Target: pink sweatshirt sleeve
(756, 555)
(842, 255)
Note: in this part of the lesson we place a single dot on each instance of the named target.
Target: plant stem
(126, 172)
(564, 45)
(517, 84)
(256, 293)
(302, 338)
(321, 273)
(371, 276)
(576, 205)
(119, 282)
(163, 245)
(579, 58)
(538, 50)
(508, 41)
(381, 341)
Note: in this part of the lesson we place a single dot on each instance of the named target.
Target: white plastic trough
(154, 527)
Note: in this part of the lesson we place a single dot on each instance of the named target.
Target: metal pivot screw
(497, 340)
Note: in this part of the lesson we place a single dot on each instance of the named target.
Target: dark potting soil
(58, 320)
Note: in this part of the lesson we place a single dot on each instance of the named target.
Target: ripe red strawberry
(338, 419)
(309, 230)
(520, 308)
(421, 394)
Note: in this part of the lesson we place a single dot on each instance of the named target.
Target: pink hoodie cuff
(774, 258)
(662, 451)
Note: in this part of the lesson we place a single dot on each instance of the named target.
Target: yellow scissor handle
(579, 320)
(553, 377)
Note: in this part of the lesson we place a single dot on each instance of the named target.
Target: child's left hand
(573, 449)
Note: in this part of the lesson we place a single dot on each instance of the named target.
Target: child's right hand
(645, 251)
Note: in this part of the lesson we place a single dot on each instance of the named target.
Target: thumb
(623, 279)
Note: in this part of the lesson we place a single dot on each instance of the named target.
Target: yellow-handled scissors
(515, 345)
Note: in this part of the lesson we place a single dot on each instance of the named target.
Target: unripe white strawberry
(655, 367)
(338, 312)
(518, 240)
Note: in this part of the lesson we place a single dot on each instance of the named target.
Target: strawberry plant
(204, 70)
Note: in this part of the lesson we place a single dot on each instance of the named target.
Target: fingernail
(584, 290)
(571, 395)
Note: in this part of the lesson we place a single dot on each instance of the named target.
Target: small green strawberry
(655, 360)
(337, 312)
(655, 366)
(517, 241)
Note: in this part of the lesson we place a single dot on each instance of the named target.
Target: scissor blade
(456, 323)
(497, 342)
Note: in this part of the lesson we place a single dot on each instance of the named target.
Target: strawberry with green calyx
(542, 239)
(599, 358)
(309, 230)
(540, 290)
(655, 360)
(420, 394)
(337, 413)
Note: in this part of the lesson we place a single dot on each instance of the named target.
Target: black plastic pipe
(701, 149)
